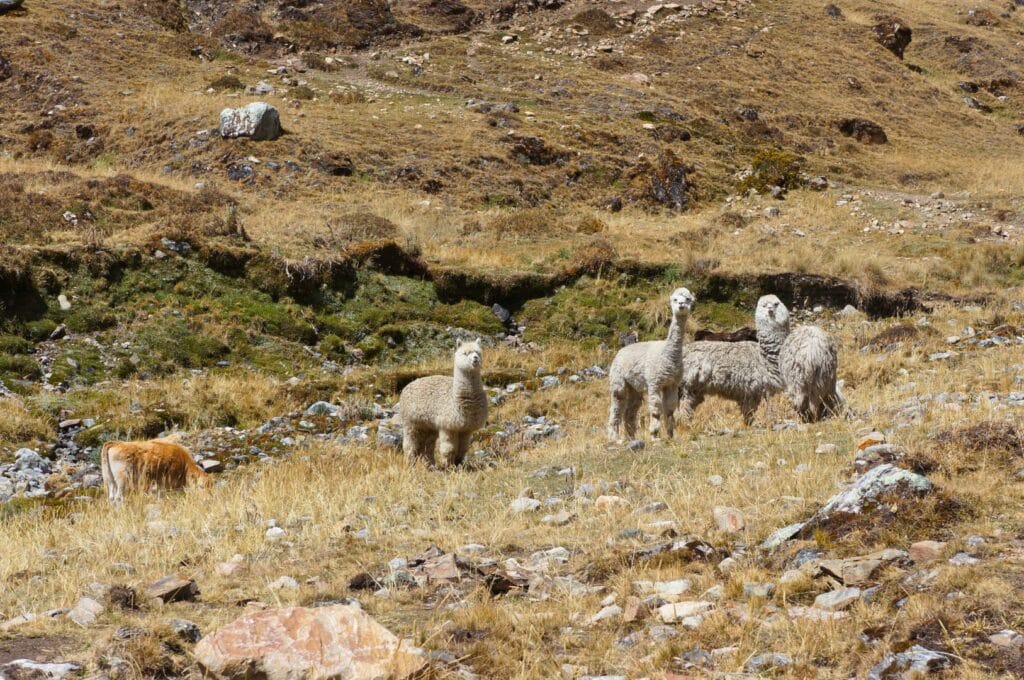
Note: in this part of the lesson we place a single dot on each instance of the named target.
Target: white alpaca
(807, 362)
(651, 369)
(451, 408)
(744, 372)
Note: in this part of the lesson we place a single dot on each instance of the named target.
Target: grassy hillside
(571, 162)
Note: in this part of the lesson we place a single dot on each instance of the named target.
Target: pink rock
(340, 641)
(926, 551)
(729, 519)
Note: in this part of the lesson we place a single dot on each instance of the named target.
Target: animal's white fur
(650, 369)
(808, 363)
(744, 372)
(449, 408)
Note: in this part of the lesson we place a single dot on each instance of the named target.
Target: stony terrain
(261, 281)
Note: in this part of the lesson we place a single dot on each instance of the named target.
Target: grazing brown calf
(143, 466)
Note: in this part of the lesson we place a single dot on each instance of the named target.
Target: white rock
(729, 519)
(613, 611)
(524, 504)
(676, 611)
(836, 600)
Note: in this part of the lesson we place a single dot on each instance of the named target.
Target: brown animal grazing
(742, 335)
(143, 466)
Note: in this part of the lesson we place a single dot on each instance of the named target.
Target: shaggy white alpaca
(651, 369)
(807, 362)
(744, 372)
(451, 408)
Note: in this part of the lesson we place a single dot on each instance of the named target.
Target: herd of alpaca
(803, 362)
(670, 374)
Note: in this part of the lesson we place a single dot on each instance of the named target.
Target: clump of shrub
(590, 225)
(225, 83)
(770, 168)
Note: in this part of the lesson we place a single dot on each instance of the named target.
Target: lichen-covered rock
(258, 121)
(916, 662)
(339, 641)
(886, 478)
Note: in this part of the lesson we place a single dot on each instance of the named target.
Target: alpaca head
(682, 302)
(469, 357)
(771, 313)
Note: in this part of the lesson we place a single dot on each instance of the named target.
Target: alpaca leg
(669, 402)
(632, 414)
(448, 450)
(411, 443)
(465, 438)
(688, 403)
(654, 407)
(749, 409)
(615, 416)
(427, 442)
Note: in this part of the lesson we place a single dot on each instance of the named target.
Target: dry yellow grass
(324, 494)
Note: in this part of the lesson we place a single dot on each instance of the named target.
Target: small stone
(871, 439)
(610, 503)
(926, 551)
(764, 662)
(274, 534)
(559, 519)
(837, 600)
(172, 588)
(792, 577)
(524, 504)
(613, 611)
(825, 449)
(634, 610)
(1008, 639)
(759, 590)
(962, 559)
(716, 480)
(185, 629)
(729, 519)
(650, 508)
(86, 611)
(284, 583)
(63, 301)
(727, 565)
(676, 611)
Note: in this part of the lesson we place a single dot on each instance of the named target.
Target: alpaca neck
(676, 333)
(467, 383)
(770, 337)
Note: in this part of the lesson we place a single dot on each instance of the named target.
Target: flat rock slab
(173, 589)
(26, 669)
(340, 641)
